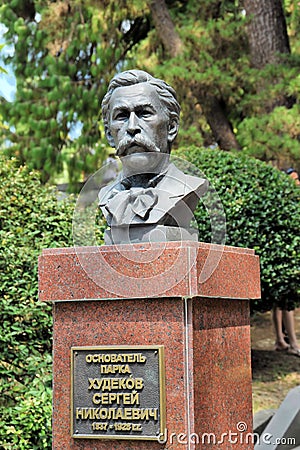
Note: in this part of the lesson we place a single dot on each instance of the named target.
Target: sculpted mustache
(126, 143)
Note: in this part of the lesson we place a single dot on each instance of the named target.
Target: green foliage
(62, 63)
(272, 136)
(2, 70)
(214, 62)
(262, 212)
(66, 52)
(31, 218)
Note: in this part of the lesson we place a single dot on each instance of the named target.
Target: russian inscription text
(118, 392)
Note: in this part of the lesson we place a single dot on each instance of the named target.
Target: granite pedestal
(192, 299)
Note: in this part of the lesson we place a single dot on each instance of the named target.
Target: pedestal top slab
(148, 270)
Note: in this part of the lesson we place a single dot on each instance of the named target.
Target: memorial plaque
(118, 392)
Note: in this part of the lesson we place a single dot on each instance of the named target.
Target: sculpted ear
(109, 137)
(173, 130)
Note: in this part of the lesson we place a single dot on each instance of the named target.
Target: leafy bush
(272, 135)
(262, 212)
(31, 218)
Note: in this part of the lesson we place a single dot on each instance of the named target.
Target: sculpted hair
(165, 92)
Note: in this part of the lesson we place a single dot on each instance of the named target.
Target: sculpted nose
(133, 124)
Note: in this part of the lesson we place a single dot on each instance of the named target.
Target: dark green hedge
(262, 211)
(30, 219)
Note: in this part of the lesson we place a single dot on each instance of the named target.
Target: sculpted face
(139, 127)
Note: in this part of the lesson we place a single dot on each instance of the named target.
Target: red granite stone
(201, 317)
(173, 269)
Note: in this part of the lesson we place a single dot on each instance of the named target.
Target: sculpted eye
(145, 113)
(121, 115)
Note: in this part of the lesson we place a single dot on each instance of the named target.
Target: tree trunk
(217, 120)
(268, 41)
(165, 27)
(267, 31)
(214, 113)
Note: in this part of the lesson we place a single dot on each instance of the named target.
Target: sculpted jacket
(168, 198)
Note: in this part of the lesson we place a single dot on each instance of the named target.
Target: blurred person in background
(282, 315)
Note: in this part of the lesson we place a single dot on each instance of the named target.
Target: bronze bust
(151, 199)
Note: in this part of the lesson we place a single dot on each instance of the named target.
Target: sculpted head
(140, 114)
(151, 200)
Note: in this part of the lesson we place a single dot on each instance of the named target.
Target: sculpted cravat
(127, 204)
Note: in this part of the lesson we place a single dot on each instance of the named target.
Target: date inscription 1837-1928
(118, 392)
